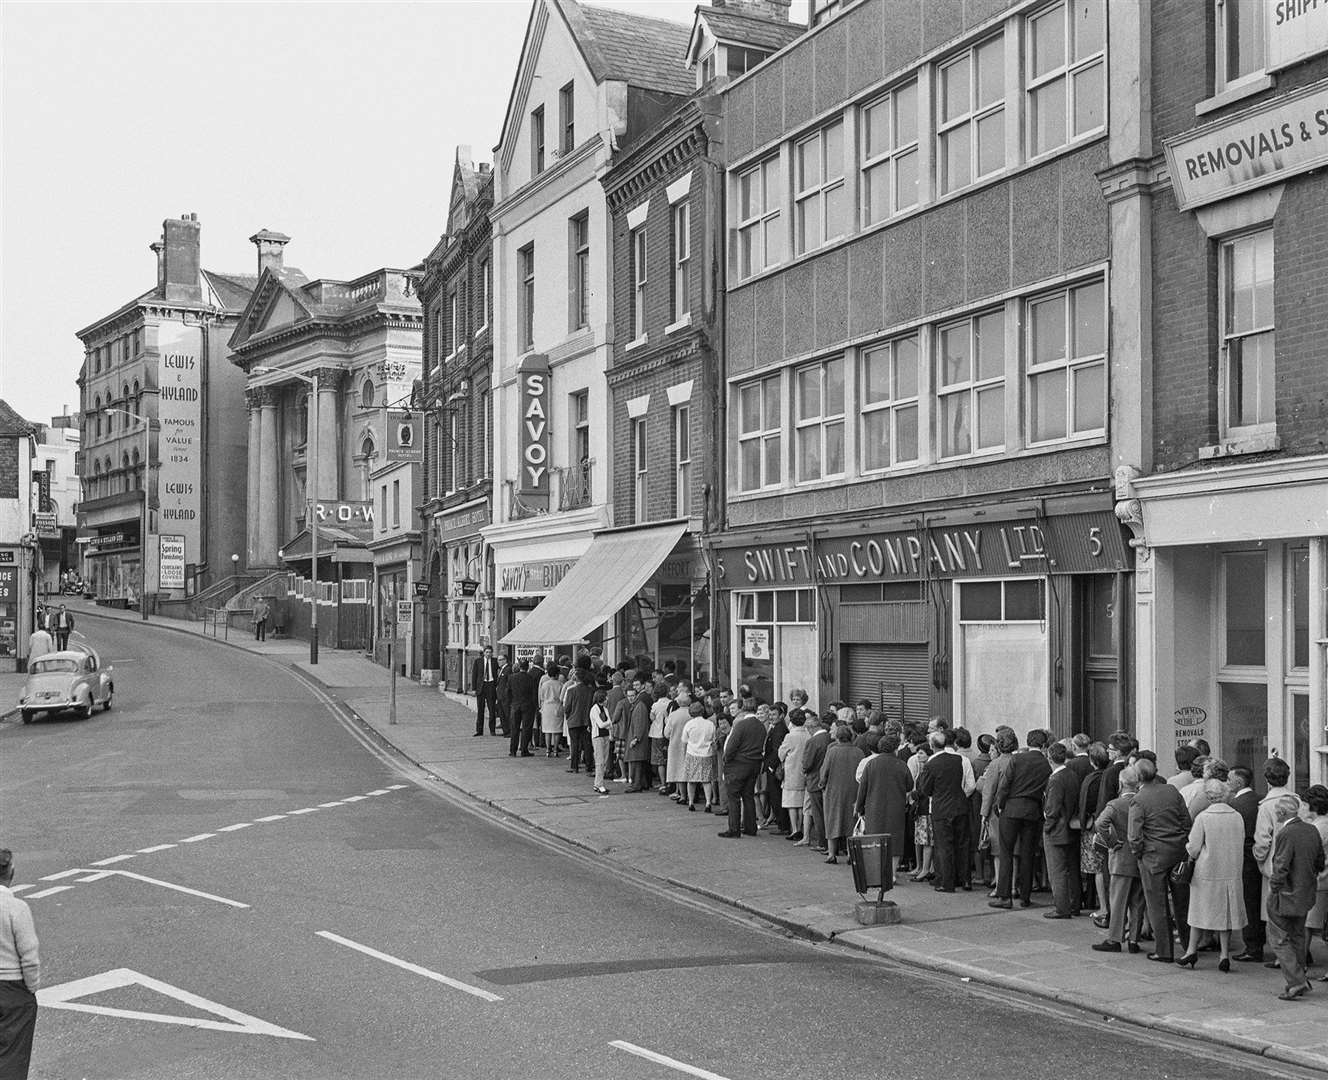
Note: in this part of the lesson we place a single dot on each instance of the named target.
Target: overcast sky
(334, 123)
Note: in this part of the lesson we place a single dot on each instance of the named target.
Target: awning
(610, 573)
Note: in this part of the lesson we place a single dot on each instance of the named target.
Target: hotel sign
(1295, 31)
(1261, 146)
(533, 418)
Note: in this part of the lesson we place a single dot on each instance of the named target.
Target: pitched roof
(13, 424)
(233, 290)
(631, 48)
(746, 29)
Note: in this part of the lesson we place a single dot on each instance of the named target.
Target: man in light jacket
(1296, 863)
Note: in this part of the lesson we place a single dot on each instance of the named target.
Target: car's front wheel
(86, 707)
(110, 693)
(28, 714)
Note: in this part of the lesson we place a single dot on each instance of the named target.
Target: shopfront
(523, 576)
(668, 620)
(114, 564)
(465, 604)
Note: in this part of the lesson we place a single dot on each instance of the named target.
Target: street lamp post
(143, 507)
(311, 492)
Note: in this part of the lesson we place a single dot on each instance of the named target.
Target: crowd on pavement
(1198, 861)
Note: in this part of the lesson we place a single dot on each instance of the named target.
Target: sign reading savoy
(533, 443)
(1261, 146)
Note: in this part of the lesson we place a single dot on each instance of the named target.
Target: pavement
(954, 935)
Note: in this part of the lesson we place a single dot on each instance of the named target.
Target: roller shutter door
(897, 675)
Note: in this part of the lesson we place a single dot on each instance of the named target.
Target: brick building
(1219, 233)
(920, 402)
(18, 549)
(456, 291)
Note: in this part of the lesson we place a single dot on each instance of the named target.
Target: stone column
(330, 381)
(269, 501)
(256, 451)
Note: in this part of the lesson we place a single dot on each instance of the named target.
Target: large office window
(889, 404)
(819, 420)
(1066, 70)
(537, 141)
(680, 242)
(638, 250)
(820, 209)
(567, 119)
(1245, 272)
(1067, 363)
(760, 422)
(579, 276)
(971, 115)
(682, 461)
(525, 314)
(889, 149)
(970, 365)
(760, 230)
(1239, 37)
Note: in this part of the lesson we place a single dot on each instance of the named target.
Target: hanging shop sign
(405, 437)
(533, 418)
(1295, 30)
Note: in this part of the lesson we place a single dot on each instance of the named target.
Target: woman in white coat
(1217, 897)
(551, 709)
(790, 757)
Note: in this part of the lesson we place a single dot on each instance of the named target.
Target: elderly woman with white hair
(1217, 898)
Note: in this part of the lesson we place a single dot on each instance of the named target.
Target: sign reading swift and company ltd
(1295, 30)
(533, 417)
(179, 443)
(1263, 145)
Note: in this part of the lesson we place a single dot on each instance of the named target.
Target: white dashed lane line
(236, 827)
(304, 810)
(271, 817)
(51, 891)
(112, 859)
(196, 839)
(154, 849)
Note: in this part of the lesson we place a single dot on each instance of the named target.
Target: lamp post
(311, 492)
(143, 507)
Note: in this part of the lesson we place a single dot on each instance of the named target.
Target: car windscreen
(48, 667)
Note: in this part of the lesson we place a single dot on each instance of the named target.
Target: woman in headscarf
(840, 789)
(882, 800)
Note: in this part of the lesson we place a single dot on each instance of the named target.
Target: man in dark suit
(813, 757)
(774, 789)
(1297, 861)
(1060, 841)
(1077, 759)
(1246, 803)
(1019, 802)
(947, 780)
(484, 684)
(502, 694)
(744, 751)
(1159, 828)
(62, 625)
(523, 688)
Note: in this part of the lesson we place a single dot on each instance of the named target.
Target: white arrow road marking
(112, 859)
(49, 892)
(178, 888)
(64, 997)
(21, 888)
(408, 966)
(660, 1059)
(63, 874)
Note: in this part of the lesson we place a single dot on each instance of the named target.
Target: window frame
(759, 224)
(485, 269)
(1068, 72)
(822, 421)
(567, 119)
(639, 252)
(1226, 337)
(682, 460)
(640, 469)
(819, 193)
(537, 141)
(680, 247)
(889, 159)
(973, 387)
(893, 405)
(453, 322)
(971, 119)
(1072, 365)
(1223, 10)
(765, 434)
(578, 292)
(578, 416)
(526, 297)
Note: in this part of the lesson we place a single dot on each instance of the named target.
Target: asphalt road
(527, 961)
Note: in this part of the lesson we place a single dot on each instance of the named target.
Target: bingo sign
(533, 381)
(179, 448)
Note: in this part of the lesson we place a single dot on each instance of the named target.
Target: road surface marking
(303, 810)
(112, 859)
(408, 966)
(196, 839)
(61, 874)
(397, 787)
(237, 827)
(21, 888)
(354, 798)
(51, 891)
(380, 791)
(97, 876)
(660, 1059)
(271, 817)
(154, 848)
(178, 888)
(328, 805)
(65, 996)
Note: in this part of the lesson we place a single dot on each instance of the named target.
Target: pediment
(274, 304)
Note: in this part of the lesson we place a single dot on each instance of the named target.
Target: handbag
(859, 826)
(1183, 872)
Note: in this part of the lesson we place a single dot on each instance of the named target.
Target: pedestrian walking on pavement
(1297, 861)
(63, 625)
(20, 975)
(261, 614)
(484, 683)
(1217, 898)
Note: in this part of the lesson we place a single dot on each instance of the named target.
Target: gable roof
(625, 47)
(232, 290)
(13, 424)
(743, 28)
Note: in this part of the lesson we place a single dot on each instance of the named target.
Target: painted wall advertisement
(180, 444)
(171, 561)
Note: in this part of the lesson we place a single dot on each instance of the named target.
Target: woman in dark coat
(638, 740)
(883, 796)
(839, 780)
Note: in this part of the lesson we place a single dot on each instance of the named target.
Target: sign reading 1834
(179, 446)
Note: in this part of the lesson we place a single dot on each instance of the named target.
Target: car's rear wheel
(27, 716)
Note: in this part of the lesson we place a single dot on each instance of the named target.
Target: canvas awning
(610, 573)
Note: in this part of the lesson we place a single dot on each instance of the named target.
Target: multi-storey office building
(920, 390)
(1219, 229)
(456, 291)
(163, 422)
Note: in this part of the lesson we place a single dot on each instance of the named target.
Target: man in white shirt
(20, 975)
(39, 643)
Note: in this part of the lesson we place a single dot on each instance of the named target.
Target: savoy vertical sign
(180, 445)
(533, 418)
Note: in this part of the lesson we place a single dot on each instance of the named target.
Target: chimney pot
(159, 249)
(269, 245)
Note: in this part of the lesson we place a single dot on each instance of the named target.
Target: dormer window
(707, 71)
(740, 61)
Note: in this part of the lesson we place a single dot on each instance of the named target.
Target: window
(1239, 40)
(453, 454)
(579, 278)
(1245, 618)
(819, 420)
(1066, 73)
(971, 385)
(567, 119)
(453, 338)
(638, 250)
(1067, 363)
(382, 508)
(889, 398)
(760, 235)
(96, 408)
(355, 591)
(759, 426)
(439, 459)
(708, 67)
(486, 291)
(740, 61)
(578, 410)
(367, 394)
(825, 9)
(482, 429)
(639, 465)
(525, 314)
(1245, 272)
(890, 154)
(971, 114)
(819, 200)
(537, 141)
(682, 458)
(1002, 601)
(680, 242)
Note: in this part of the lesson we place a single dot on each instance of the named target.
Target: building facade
(330, 370)
(55, 502)
(920, 398)
(19, 558)
(163, 441)
(456, 291)
(1217, 197)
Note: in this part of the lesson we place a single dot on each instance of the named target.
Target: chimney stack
(159, 249)
(776, 10)
(180, 260)
(269, 245)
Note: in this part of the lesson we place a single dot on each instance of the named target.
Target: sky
(335, 123)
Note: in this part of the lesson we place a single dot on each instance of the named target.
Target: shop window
(1066, 73)
(760, 236)
(759, 434)
(1244, 614)
(1239, 40)
(971, 385)
(971, 113)
(1245, 271)
(1002, 601)
(1243, 710)
(819, 420)
(889, 404)
(355, 591)
(775, 636)
(890, 153)
(1067, 364)
(820, 209)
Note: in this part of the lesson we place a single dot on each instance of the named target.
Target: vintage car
(72, 679)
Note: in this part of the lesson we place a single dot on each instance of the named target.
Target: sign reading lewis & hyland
(1260, 146)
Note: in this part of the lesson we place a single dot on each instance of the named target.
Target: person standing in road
(1296, 862)
(744, 750)
(261, 614)
(20, 975)
(63, 624)
(484, 680)
(39, 643)
(1159, 828)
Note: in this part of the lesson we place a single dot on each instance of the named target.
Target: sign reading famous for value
(179, 443)
(533, 416)
(1260, 146)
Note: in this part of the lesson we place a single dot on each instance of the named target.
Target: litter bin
(873, 867)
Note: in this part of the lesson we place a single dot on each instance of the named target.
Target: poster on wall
(756, 643)
(179, 445)
(9, 610)
(171, 551)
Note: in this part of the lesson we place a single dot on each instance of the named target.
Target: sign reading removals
(1259, 146)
